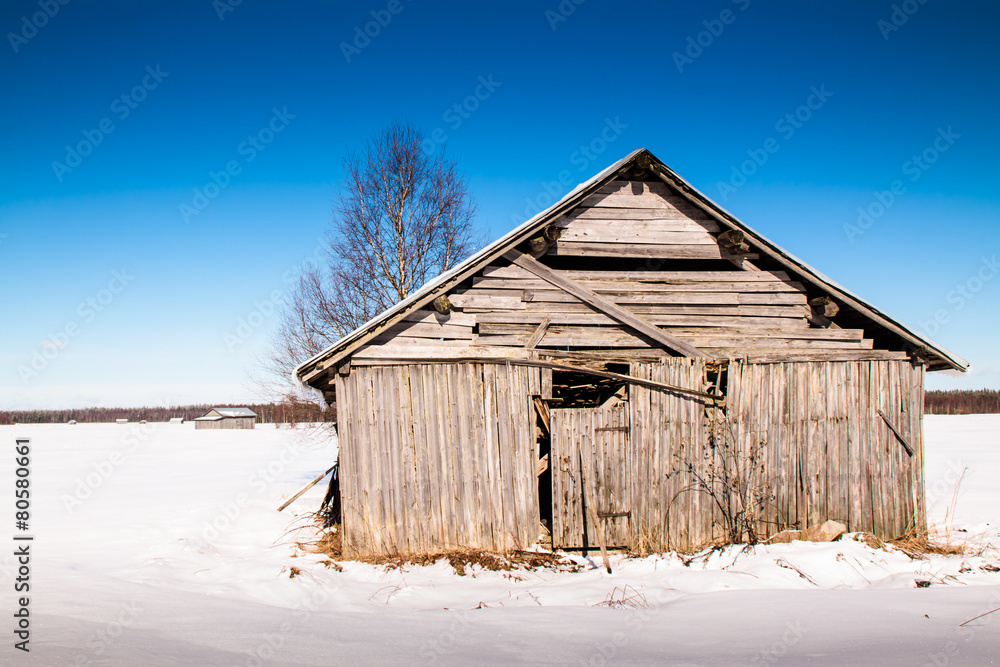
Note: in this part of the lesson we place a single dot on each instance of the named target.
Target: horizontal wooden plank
(596, 337)
(578, 249)
(854, 335)
(376, 352)
(601, 286)
(607, 213)
(621, 186)
(432, 316)
(486, 301)
(688, 297)
(610, 234)
(646, 200)
(429, 330)
(676, 224)
(676, 277)
(663, 315)
(780, 356)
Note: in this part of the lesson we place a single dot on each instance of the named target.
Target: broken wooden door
(589, 460)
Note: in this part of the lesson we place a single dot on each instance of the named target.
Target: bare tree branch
(402, 217)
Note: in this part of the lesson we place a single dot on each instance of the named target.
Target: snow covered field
(160, 545)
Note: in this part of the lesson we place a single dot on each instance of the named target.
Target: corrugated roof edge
(495, 248)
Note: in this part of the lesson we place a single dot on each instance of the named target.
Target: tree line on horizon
(951, 402)
(267, 413)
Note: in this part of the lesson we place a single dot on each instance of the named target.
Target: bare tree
(401, 218)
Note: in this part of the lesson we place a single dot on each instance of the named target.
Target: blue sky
(167, 167)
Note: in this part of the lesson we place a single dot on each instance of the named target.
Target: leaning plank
(600, 303)
(537, 334)
(307, 487)
(902, 439)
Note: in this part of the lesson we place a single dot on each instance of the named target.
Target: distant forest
(281, 413)
(954, 402)
(962, 402)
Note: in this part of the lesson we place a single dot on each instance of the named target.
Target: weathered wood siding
(668, 431)
(829, 454)
(590, 464)
(724, 311)
(226, 423)
(437, 457)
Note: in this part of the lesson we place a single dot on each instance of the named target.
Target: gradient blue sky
(161, 333)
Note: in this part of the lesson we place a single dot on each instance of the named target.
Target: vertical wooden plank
(525, 459)
(491, 453)
(875, 467)
(429, 502)
(506, 441)
(346, 431)
(806, 465)
(409, 492)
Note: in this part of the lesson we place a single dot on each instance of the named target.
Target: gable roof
(232, 412)
(938, 358)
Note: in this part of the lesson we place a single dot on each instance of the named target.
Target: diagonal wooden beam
(609, 308)
(536, 336)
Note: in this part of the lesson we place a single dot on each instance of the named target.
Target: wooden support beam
(605, 306)
(543, 411)
(536, 336)
(903, 441)
(543, 465)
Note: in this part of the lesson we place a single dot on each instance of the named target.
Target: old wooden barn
(226, 417)
(582, 374)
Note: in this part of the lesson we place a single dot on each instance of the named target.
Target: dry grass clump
(465, 558)
(329, 544)
(917, 544)
(624, 598)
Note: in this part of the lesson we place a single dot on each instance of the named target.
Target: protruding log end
(442, 304)
(824, 306)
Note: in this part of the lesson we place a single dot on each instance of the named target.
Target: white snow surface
(156, 544)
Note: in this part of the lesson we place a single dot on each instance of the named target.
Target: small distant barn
(227, 418)
(579, 376)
